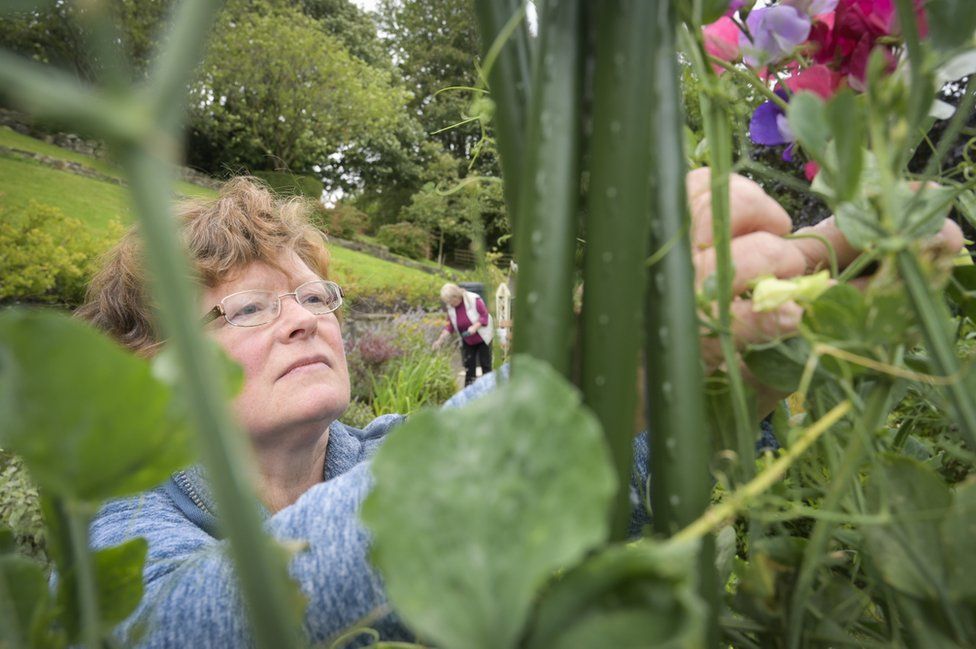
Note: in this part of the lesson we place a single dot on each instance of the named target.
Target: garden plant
(504, 524)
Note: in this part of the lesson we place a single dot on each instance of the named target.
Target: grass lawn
(95, 202)
(14, 140)
(384, 283)
(369, 282)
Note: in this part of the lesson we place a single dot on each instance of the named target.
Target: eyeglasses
(254, 308)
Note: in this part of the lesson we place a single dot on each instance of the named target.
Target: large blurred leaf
(781, 366)
(808, 120)
(25, 604)
(86, 416)
(474, 509)
(907, 550)
(958, 532)
(951, 22)
(845, 117)
(118, 579)
(838, 314)
(639, 595)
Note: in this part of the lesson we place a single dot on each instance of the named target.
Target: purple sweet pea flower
(776, 31)
(770, 127)
(812, 7)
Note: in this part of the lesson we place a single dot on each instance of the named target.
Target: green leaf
(638, 595)
(958, 532)
(907, 550)
(781, 366)
(118, 578)
(474, 509)
(25, 604)
(921, 214)
(807, 117)
(86, 416)
(838, 314)
(846, 120)
(951, 22)
(962, 290)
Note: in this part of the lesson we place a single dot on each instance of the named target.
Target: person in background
(468, 316)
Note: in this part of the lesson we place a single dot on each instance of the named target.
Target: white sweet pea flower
(770, 293)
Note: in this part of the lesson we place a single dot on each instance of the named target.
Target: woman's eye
(250, 308)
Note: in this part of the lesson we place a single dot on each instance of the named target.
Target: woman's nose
(297, 320)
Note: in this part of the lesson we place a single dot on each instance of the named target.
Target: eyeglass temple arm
(212, 315)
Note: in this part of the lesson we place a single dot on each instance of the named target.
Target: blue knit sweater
(191, 596)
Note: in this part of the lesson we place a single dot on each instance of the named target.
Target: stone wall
(23, 124)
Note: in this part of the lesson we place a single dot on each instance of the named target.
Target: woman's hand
(440, 339)
(759, 248)
(473, 329)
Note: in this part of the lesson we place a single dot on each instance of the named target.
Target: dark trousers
(473, 356)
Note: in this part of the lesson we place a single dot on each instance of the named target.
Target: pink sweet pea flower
(722, 40)
(818, 79)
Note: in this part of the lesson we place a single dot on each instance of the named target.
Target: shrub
(405, 239)
(366, 357)
(358, 414)
(415, 381)
(343, 221)
(20, 508)
(289, 184)
(47, 256)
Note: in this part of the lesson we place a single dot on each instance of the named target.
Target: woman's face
(453, 301)
(294, 366)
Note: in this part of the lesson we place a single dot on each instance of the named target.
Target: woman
(468, 316)
(267, 301)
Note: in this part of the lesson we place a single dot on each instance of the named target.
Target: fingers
(754, 255)
(750, 208)
(750, 328)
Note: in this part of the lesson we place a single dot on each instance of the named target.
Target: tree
(354, 28)
(59, 33)
(277, 91)
(435, 45)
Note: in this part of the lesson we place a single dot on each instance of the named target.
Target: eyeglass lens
(253, 308)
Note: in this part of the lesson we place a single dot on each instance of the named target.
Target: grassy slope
(367, 280)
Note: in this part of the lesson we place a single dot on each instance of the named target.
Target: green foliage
(289, 184)
(304, 100)
(636, 595)
(58, 33)
(435, 44)
(20, 508)
(496, 526)
(343, 221)
(405, 239)
(413, 382)
(358, 414)
(115, 430)
(26, 603)
(47, 256)
(372, 284)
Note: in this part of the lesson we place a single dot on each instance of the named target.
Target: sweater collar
(191, 490)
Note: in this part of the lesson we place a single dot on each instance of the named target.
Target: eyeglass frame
(218, 310)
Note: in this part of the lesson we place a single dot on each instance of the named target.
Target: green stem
(919, 93)
(680, 447)
(932, 316)
(717, 130)
(963, 112)
(547, 218)
(740, 498)
(873, 417)
(56, 96)
(84, 577)
(509, 78)
(750, 77)
(264, 584)
(616, 226)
